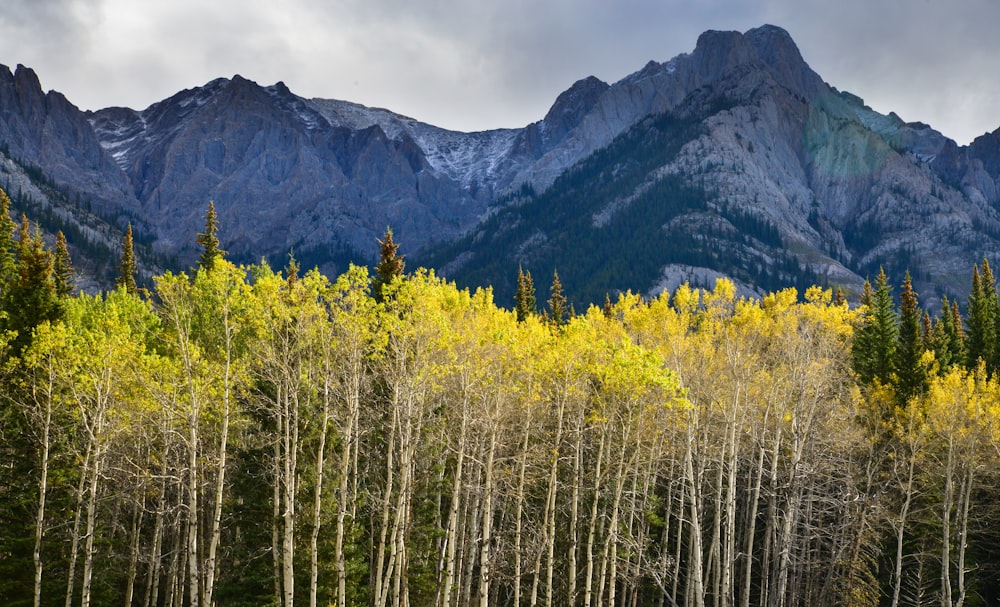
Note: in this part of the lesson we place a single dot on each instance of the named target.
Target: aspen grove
(245, 436)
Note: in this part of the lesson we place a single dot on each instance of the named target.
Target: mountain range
(735, 159)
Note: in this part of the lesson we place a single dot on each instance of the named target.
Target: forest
(237, 435)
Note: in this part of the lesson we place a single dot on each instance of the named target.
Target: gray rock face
(846, 187)
(46, 130)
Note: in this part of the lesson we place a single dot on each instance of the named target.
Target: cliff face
(836, 188)
(794, 177)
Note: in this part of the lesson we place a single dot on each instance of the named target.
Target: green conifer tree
(945, 339)
(390, 265)
(525, 304)
(292, 271)
(7, 229)
(558, 308)
(838, 297)
(127, 266)
(31, 297)
(981, 318)
(911, 377)
(956, 336)
(62, 269)
(873, 352)
(209, 240)
(927, 335)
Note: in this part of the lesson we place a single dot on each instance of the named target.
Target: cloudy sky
(480, 64)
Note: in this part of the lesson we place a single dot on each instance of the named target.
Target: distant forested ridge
(245, 436)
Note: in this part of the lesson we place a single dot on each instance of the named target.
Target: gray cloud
(476, 64)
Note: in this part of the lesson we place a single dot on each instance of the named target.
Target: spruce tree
(524, 299)
(209, 240)
(946, 339)
(127, 267)
(927, 334)
(873, 353)
(390, 265)
(31, 297)
(838, 297)
(558, 308)
(7, 229)
(62, 270)
(910, 376)
(956, 336)
(607, 309)
(292, 271)
(982, 318)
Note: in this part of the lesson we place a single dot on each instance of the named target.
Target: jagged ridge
(844, 188)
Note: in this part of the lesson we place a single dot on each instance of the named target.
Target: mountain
(751, 166)
(735, 159)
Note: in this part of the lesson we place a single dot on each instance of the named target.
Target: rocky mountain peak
(26, 81)
(571, 106)
(719, 53)
(769, 157)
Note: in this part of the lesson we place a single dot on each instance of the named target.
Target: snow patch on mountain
(467, 158)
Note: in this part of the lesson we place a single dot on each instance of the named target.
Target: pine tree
(7, 229)
(524, 299)
(910, 376)
(956, 335)
(982, 312)
(873, 352)
(209, 240)
(558, 310)
(945, 339)
(838, 297)
(31, 297)
(390, 265)
(928, 337)
(292, 271)
(62, 270)
(127, 267)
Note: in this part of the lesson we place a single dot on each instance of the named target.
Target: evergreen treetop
(209, 240)
(127, 265)
(524, 299)
(62, 271)
(910, 376)
(31, 297)
(558, 308)
(873, 352)
(390, 265)
(7, 229)
(981, 317)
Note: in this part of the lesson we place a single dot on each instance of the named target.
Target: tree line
(240, 435)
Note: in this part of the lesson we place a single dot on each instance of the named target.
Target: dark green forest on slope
(596, 247)
(238, 435)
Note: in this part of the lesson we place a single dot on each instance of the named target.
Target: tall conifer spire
(127, 267)
(209, 240)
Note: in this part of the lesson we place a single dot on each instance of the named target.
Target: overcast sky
(481, 64)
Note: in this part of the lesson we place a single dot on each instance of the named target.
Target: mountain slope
(733, 159)
(796, 180)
